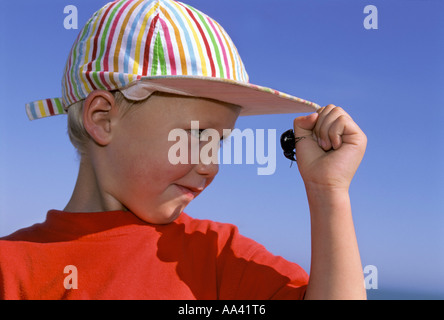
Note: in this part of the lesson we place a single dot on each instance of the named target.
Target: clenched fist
(331, 150)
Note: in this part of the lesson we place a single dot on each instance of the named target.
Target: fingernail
(323, 144)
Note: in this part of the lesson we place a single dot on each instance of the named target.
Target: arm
(336, 271)
(327, 166)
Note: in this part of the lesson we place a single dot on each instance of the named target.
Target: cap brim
(254, 100)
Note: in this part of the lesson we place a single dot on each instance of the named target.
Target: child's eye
(223, 140)
(196, 132)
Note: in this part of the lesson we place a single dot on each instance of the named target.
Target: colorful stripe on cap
(130, 39)
(44, 108)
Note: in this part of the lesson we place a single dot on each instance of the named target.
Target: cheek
(148, 167)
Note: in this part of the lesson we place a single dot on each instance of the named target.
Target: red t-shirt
(115, 255)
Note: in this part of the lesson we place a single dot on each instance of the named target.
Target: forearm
(336, 270)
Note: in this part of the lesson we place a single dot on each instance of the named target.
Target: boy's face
(138, 172)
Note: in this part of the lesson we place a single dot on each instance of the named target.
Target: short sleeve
(246, 270)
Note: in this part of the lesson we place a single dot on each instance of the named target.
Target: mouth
(189, 191)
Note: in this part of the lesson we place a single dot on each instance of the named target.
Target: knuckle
(330, 107)
(342, 119)
(339, 111)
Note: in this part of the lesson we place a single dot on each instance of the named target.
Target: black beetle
(288, 144)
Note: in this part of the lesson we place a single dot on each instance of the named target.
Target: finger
(326, 143)
(344, 130)
(336, 130)
(306, 149)
(323, 112)
(303, 126)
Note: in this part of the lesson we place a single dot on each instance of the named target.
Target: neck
(88, 196)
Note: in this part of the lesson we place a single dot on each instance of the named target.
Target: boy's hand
(332, 149)
(327, 167)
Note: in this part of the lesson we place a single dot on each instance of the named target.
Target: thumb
(303, 126)
(307, 150)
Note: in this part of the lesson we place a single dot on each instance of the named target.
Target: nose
(208, 169)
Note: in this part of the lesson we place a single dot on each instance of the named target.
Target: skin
(126, 165)
(126, 168)
(328, 158)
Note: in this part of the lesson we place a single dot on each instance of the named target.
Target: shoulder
(31, 233)
(224, 235)
(38, 232)
(241, 261)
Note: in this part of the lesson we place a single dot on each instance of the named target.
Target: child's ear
(99, 112)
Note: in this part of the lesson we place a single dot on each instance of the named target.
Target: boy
(138, 71)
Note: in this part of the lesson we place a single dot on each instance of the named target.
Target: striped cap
(143, 46)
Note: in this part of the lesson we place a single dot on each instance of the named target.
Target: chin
(161, 216)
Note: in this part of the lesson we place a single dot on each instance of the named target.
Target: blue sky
(390, 80)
